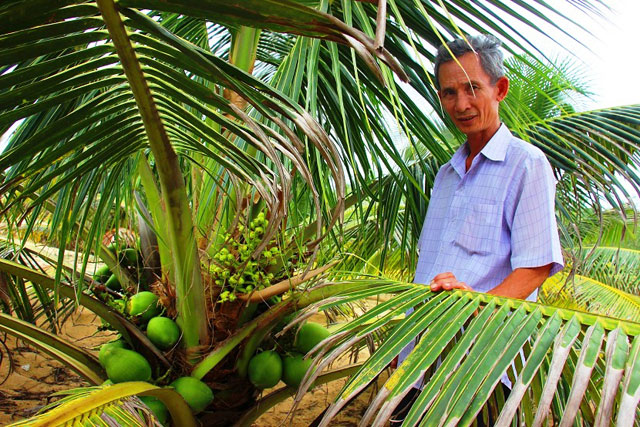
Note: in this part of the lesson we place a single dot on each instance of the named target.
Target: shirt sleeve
(534, 231)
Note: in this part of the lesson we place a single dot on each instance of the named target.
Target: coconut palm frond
(112, 405)
(539, 90)
(587, 293)
(619, 267)
(77, 359)
(595, 153)
(599, 146)
(382, 228)
(104, 115)
(479, 338)
(28, 301)
(101, 101)
(617, 230)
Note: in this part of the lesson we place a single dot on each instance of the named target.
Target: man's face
(470, 99)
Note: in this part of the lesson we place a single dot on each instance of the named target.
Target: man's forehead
(465, 69)
(465, 80)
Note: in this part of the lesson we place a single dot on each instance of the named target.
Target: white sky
(612, 59)
(614, 62)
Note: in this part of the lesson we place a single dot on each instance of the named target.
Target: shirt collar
(495, 149)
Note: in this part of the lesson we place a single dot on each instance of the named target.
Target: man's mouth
(466, 119)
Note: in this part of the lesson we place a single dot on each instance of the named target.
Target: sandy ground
(30, 377)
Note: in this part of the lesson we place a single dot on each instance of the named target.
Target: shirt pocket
(480, 230)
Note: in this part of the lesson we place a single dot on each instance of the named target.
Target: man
(490, 226)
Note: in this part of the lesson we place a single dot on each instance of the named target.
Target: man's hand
(446, 282)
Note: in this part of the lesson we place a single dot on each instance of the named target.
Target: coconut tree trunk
(179, 223)
(244, 50)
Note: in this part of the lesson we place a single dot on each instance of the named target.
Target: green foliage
(603, 271)
(478, 338)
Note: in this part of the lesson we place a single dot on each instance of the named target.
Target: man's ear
(503, 88)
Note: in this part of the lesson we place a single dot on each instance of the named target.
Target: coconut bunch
(289, 364)
(123, 364)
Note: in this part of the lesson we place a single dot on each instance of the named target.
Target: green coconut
(113, 283)
(144, 304)
(309, 335)
(163, 332)
(294, 368)
(102, 274)
(157, 407)
(127, 365)
(106, 350)
(129, 256)
(265, 369)
(197, 394)
(112, 247)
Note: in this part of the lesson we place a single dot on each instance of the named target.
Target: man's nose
(462, 102)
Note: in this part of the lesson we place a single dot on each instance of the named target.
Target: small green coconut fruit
(265, 369)
(113, 283)
(102, 274)
(157, 407)
(129, 256)
(144, 304)
(309, 335)
(127, 365)
(106, 350)
(196, 393)
(163, 332)
(294, 368)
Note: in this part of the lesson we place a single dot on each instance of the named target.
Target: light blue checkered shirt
(484, 223)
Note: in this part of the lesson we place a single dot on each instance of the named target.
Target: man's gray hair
(486, 46)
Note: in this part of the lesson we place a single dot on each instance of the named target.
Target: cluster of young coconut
(267, 368)
(123, 364)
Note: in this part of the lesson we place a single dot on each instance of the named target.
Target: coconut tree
(605, 267)
(113, 106)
